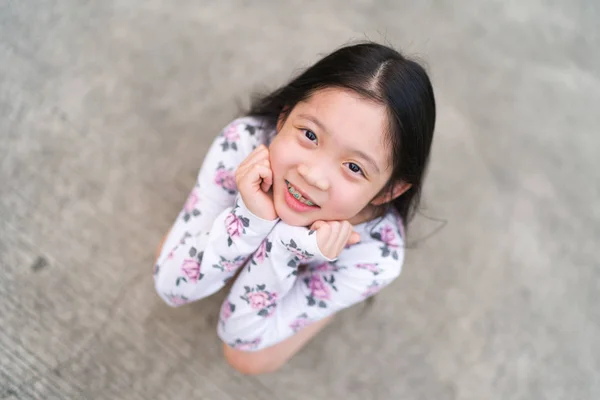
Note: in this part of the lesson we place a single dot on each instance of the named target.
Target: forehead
(353, 122)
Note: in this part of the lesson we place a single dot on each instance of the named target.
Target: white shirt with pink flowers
(215, 236)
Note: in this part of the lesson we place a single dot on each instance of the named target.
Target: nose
(313, 177)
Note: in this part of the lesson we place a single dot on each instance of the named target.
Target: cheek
(280, 152)
(275, 154)
(346, 199)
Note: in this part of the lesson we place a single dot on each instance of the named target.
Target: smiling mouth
(298, 196)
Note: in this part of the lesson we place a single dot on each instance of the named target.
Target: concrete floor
(107, 108)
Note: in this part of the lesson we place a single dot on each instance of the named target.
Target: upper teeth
(298, 196)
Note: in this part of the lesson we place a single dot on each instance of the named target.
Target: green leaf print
(263, 313)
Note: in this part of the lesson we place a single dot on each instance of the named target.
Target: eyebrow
(355, 151)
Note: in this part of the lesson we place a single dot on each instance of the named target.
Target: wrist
(250, 220)
(239, 203)
(299, 243)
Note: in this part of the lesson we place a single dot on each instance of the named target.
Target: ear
(399, 188)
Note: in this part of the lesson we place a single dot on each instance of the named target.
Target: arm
(269, 303)
(215, 232)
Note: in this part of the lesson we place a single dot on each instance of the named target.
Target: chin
(292, 219)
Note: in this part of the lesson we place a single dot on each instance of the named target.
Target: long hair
(381, 74)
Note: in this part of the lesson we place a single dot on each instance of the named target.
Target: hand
(254, 179)
(333, 236)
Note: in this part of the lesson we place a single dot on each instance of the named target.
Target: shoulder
(381, 248)
(248, 132)
(388, 232)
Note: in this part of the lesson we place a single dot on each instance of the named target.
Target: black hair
(381, 74)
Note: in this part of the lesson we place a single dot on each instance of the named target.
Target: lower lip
(296, 205)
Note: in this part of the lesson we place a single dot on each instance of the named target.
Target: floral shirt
(215, 236)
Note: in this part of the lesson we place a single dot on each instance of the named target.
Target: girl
(304, 202)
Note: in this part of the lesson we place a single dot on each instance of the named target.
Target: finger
(349, 236)
(258, 156)
(323, 234)
(267, 180)
(259, 153)
(334, 237)
(343, 236)
(316, 225)
(259, 149)
(354, 238)
(259, 175)
(242, 175)
(262, 154)
(264, 162)
(240, 172)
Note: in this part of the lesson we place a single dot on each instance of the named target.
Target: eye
(355, 168)
(310, 135)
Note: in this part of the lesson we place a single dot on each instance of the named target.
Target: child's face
(317, 150)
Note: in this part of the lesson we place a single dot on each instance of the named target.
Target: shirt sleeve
(271, 301)
(215, 233)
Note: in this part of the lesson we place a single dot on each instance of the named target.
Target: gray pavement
(107, 108)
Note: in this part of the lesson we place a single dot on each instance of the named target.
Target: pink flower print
(177, 300)
(231, 133)
(388, 236)
(261, 253)
(299, 255)
(226, 309)
(229, 265)
(189, 208)
(370, 267)
(324, 267)
(235, 226)
(263, 249)
(389, 239)
(371, 289)
(226, 179)
(246, 345)
(191, 269)
(318, 288)
(185, 236)
(191, 202)
(300, 322)
(260, 299)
